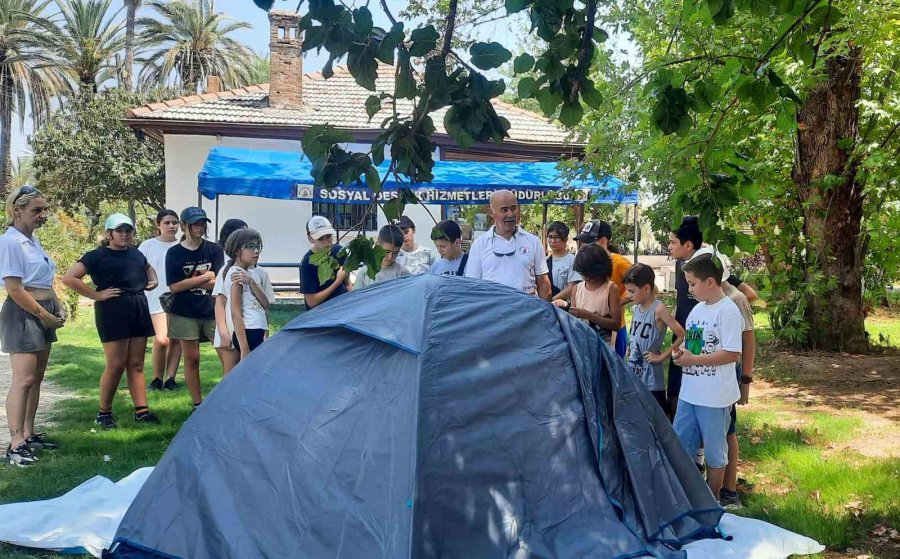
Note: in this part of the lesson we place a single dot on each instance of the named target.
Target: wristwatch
(746, 380)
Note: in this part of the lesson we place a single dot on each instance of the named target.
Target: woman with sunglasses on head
(29, 319)
(165, 355)
(121, 275)
(243, 294)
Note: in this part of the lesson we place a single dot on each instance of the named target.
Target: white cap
(318, 227)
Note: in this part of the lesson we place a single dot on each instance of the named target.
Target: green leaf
(363, 67)
(424, 40)
(373, 105)
(589, 94)
(670, 113)
(526, 87)
(327, 69)
(326, 265)
(724, 11)
(706, 94)
(762, 8)
(388, 44)
(318, 140)
(784, 6)
(750, 192)
(523, 63)
(801, 50)
(515, 6)
(264, 5)
(455, 129)
(785, 119)
(405, 86)
(600, 35)
(362, 21)
(373, 179)
(548, 100)
(825, 16)
(487, 56)
(571, 113)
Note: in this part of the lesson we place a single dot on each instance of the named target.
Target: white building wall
(282, 223)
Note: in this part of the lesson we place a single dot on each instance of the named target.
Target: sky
(507, 32)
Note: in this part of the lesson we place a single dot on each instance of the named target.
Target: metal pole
(636, 232)
(216, 232)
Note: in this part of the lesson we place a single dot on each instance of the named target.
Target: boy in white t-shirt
(414, 257)
(709, 387)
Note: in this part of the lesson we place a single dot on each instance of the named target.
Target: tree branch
(784, 35)
(387, 12)
(586, 51)
(704, 57)
(821, 36)
(449, 28)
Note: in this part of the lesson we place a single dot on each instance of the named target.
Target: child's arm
(221, 324)
(748, 358)
(316, 299)
(665, 317)
(240, 276)
(237, 318)
(565, 293)
(152, 279)
(685, 358)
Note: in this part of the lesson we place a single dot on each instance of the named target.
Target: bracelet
(746, 380)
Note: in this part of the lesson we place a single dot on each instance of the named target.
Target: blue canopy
(287, 176)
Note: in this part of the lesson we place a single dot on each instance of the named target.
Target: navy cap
(593, 230)
(405, 223)
(193, 214)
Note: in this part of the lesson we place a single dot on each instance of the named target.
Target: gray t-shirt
(418, 261)
(644, 336)
(563, 274)
(395, 270)
(444, 267)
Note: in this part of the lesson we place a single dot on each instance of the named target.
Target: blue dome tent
(425, 417)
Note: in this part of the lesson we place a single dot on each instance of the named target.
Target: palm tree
(188, 42)
(89, 41)
(131, 7)
(258, 69)
(28, 73)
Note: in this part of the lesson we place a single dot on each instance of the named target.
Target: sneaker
(21, 456)
(106, 420)
(730, 500)
(146, 417)
(155, 384)
(38, 442)
(170, 384)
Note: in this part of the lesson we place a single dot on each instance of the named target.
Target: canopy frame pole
(636, 233)
(216, 232)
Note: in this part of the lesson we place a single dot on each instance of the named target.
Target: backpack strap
(553, 289)
(462, 265)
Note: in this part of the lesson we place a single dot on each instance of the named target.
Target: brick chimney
(213, 84)
(285, 60)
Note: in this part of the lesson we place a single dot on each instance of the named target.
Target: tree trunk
(131, 9)
(6, 97)
(825, 174)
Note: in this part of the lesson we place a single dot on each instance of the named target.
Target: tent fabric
(288, 176)
(428, 416)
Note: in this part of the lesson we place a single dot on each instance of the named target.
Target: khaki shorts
(184, 328)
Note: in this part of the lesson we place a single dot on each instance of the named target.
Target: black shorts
(673, 385)
(255, 337)
(123, 317)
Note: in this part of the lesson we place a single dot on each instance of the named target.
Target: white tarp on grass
(85, 519)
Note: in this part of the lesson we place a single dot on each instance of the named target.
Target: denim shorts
(696, 424)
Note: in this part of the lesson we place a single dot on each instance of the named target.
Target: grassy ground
(810, 465)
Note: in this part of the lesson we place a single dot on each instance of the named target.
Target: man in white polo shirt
(508, 254)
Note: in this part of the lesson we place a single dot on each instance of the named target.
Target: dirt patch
(870, 383)
(50, 394)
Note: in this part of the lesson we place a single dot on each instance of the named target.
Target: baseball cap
(193, 214)
(446, 229)
(115, 221)
(593, 230)
(405, 223)
(318, 226)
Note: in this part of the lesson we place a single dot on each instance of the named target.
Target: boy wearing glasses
(508, 254)
(560, 262)
(447, 237)
(390, 238)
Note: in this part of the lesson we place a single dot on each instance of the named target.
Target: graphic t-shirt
(252, 311)
(309, 276)
(563, 273)
(711, 328)
(418, 261)
(444, 267)
(393, 271)
(181, 264)
(125, 269)
(645, 336)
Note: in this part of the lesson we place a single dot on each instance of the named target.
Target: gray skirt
(21, 331)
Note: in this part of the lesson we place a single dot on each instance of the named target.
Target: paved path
(50, 394)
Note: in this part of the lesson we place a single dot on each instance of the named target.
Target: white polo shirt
(515, 262)
(21, 257)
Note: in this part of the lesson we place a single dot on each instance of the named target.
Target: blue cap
(193, 214)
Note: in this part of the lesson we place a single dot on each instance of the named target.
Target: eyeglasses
(554, 238)
(25, 190)
(502, 254)
(254, 247)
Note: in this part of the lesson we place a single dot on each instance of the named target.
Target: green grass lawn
(801, 484)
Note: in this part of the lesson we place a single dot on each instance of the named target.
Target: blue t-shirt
(444, 267)
(309, 276)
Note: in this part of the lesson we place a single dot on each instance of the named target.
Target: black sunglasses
(25, 190)
(502, 254)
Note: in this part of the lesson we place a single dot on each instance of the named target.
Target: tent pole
(216, 232)
(636, 232)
